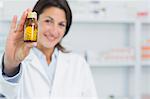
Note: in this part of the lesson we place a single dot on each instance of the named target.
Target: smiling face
(51, 27)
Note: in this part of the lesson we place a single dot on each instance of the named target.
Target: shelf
(146, 22)
(102, 20)
(112, 64)
(146, 63)
(118, 64)
(92, 19)
(114, 97)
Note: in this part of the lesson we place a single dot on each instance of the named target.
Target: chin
(49, 46)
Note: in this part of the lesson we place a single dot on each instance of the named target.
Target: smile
(49, 38)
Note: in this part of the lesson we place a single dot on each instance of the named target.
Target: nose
(54, 31)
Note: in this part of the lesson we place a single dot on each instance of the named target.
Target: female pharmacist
(43, 69)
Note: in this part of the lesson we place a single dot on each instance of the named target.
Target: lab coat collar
(33, 59)
(40, 55)
(61, 67)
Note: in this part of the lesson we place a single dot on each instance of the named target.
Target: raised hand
(16, 49)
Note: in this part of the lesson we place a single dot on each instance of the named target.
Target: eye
(48, 21)
(62, 25)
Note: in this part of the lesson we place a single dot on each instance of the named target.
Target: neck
(47, 52)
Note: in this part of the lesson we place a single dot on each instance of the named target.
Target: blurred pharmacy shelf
(132, 18)
(111, 34)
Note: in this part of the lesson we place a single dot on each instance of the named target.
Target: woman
(44, 70)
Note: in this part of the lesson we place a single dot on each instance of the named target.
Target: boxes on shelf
(146, 50)
(146, 96)
(116, 56)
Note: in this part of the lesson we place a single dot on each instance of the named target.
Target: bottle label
(30, 33)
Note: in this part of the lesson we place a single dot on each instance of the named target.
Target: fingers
(22, 21)
(20, 26)
(13, 23)
(24, 50)
(29, 10)
(30, 45)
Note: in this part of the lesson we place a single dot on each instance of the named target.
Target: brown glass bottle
(31, 28)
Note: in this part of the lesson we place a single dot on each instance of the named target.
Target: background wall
(105, 33)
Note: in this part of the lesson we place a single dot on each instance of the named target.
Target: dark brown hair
(41, 5)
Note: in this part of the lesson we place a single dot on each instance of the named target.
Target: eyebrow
(53, 19)
(50, 17)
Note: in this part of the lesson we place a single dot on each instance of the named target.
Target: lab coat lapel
(35, 63)
(59, 77)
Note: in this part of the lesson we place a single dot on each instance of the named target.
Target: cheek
(41, 31)
(40, 36)
(62, 34)
(62, 31)
(41, 27)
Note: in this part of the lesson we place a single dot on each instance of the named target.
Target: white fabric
(73, 80)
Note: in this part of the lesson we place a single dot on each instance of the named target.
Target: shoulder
(72, 57)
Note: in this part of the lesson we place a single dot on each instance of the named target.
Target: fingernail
(29, 10)
(35, 44)
(25, 12)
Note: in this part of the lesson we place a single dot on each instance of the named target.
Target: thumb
(30, 45)
(24, 51)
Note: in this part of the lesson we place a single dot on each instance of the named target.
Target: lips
(49, 37)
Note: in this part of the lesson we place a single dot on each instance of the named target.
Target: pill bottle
(31, 27)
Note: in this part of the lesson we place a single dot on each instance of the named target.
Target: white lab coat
(73, 80)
